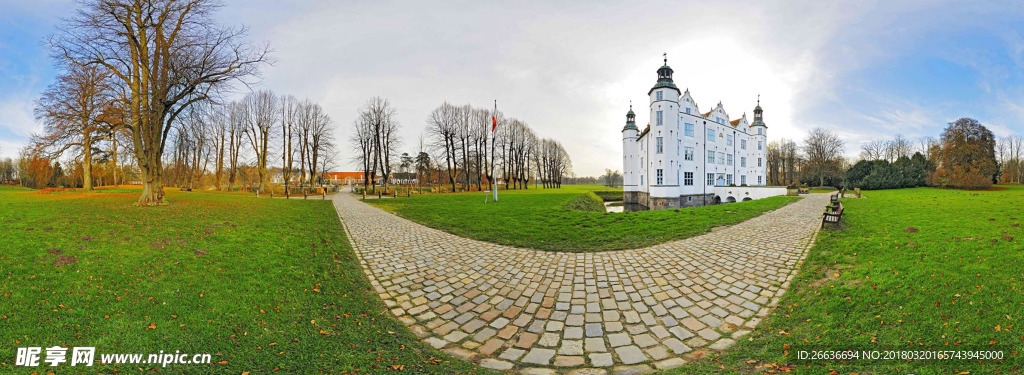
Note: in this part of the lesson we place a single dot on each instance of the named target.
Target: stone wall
(631, 197)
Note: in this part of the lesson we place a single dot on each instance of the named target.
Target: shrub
(880, 174)
(589, 202)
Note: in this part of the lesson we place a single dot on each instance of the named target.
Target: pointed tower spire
(630, 118)
(664, 76)
(758, 113)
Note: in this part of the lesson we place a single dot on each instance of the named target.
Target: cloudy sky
(867, 69)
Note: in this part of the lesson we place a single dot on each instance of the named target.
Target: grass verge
(912, 269)
(263, 285)
(534, 218)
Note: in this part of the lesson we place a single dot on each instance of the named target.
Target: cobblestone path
(623, 311)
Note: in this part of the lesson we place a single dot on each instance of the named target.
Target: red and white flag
(494, 119)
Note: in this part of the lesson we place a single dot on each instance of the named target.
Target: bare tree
(362, 141)
(873, 150)
(443, 127)
(165, 55)
(219, 122)
(320, 138)
(791, 160)
(260, 115)
(824, 151)
(926, 145)
(236, 121)
(290, 115)
(72, 112)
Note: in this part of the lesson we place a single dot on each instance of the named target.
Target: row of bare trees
(892, 149)
(783, 160)
(262, 126)
(819, 160)
(1010, 154)
(461, 138)
(375, 141)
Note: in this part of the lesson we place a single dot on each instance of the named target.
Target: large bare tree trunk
(87, 162)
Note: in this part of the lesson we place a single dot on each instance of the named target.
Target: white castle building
(684, 157)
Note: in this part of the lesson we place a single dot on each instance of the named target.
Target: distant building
(356, 178)
(688, 158)
(344, 178)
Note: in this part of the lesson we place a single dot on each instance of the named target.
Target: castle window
(687, 109)
(760, 131)
(659, 176)
(728, 179)
(658, 94)
(689, 129)
(758, 163)
(660, 117)
(711, 179)
(711, 135)
(758, 180)
(743, 144)
(688, 178)
(689, 154)
(641, 179)
(743, 161)
(743, 180)
(728, 159)
(711, 157)
(679, 146)
(659, 145)
(760, 145)
(721, 158)
(728, 139)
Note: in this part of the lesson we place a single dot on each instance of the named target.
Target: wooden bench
(833, 214)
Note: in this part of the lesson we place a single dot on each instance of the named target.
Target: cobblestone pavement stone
(623, 310)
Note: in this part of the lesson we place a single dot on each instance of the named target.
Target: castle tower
(630, 164)
(760, 137)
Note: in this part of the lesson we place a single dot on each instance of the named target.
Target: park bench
(833, 214)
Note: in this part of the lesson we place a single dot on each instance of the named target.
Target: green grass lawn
(277, 286)
(912, 269)
(535, 218)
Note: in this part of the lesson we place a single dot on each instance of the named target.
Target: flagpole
(494, 128)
